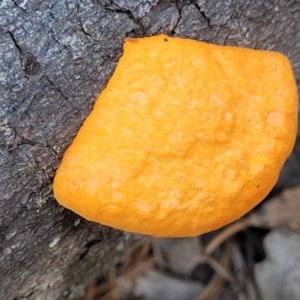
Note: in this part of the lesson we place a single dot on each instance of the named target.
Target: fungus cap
(186, 137)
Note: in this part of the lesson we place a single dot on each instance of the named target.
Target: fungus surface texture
(186, 137)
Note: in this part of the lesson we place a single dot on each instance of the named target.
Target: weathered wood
(55, 58)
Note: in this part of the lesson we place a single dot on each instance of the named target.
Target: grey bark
(55, 58)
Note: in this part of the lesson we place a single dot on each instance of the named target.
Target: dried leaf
(278, 276)
(180, 254)
(153, 285)
(282, 210)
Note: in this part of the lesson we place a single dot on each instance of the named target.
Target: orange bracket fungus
(186, 137)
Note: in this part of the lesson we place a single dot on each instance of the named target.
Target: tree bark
(55, 58)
